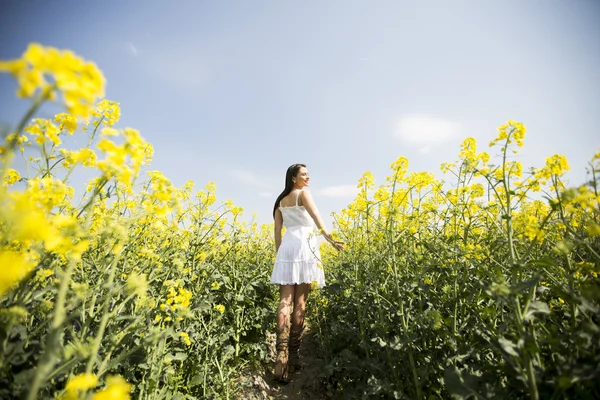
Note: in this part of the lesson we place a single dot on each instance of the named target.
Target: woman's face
(301, 179)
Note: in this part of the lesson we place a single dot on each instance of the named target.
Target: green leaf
(534, 308)
(508, 346)
(457, 385)
(180, 357)
(524, 286)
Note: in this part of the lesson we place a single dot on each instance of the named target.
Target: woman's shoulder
(305, 192)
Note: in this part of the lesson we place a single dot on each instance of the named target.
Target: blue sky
(234, 92)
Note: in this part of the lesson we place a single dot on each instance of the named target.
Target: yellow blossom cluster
(176, 304)
(185, 338)
(134, 148)
(85, 157)
(48, 70)
(137, 284)
(108, 112)
(556, 165)
(207, 196)
(161, 200)
(220, 308)
(11, 177)
(44, 130)
(510, 132)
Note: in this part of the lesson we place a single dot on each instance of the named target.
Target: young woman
(297, 265)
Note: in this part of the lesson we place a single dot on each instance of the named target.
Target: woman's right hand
(339, 245)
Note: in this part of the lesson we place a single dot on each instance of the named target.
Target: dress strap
(297, 195)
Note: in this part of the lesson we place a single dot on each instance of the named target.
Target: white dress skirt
(298, 259)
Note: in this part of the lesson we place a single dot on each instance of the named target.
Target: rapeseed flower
(109, 111)
(11, 177)
(15, 267)
(47, 70)
(220, 308)
(66, 121)
(116, 388)
(77, 384)
(137, 284)
(185, 338)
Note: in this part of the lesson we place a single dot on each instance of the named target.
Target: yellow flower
(79, 383)
(109, 132)
(477, 190)
(43, 274)
(13, 140)
(593, 229)
(80, 82)
(555, 165)
(215, 285)
(220, 308)
(14, 313)
(137, 284)
(86, 157)
(11, 177)
(400, 166)
(509, 131)
(366, 181)
(110, 111)
(43, 130)
(185, 338)
(49, 192)
(15, 266)
(66, 121)
(116, 388)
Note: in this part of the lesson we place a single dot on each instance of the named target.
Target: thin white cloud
(425, 150)
(339, 191)
(249, 178)
(265, 194)
(132, 49)
(426, 131)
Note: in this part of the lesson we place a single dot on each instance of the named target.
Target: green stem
(53, 344)
(8, 153)
(533, 391)
(105, 315)
(411, 359)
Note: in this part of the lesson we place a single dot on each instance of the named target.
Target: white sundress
(298, 259)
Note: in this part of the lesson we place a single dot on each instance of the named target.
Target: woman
(297, 264)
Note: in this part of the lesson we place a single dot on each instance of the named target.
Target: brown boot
(295, 342)
(281, 363)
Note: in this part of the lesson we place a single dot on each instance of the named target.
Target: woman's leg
(286, 297)
(300, 297)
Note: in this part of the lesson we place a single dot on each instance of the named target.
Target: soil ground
(305, 384)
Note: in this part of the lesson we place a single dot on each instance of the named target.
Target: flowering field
(487, 290)
(141, 289)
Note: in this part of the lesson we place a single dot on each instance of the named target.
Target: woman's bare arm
(311, 207)
(277, 229)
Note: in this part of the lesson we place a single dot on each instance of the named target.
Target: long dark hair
(292, 171)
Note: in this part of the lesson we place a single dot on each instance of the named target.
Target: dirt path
(304, 385)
